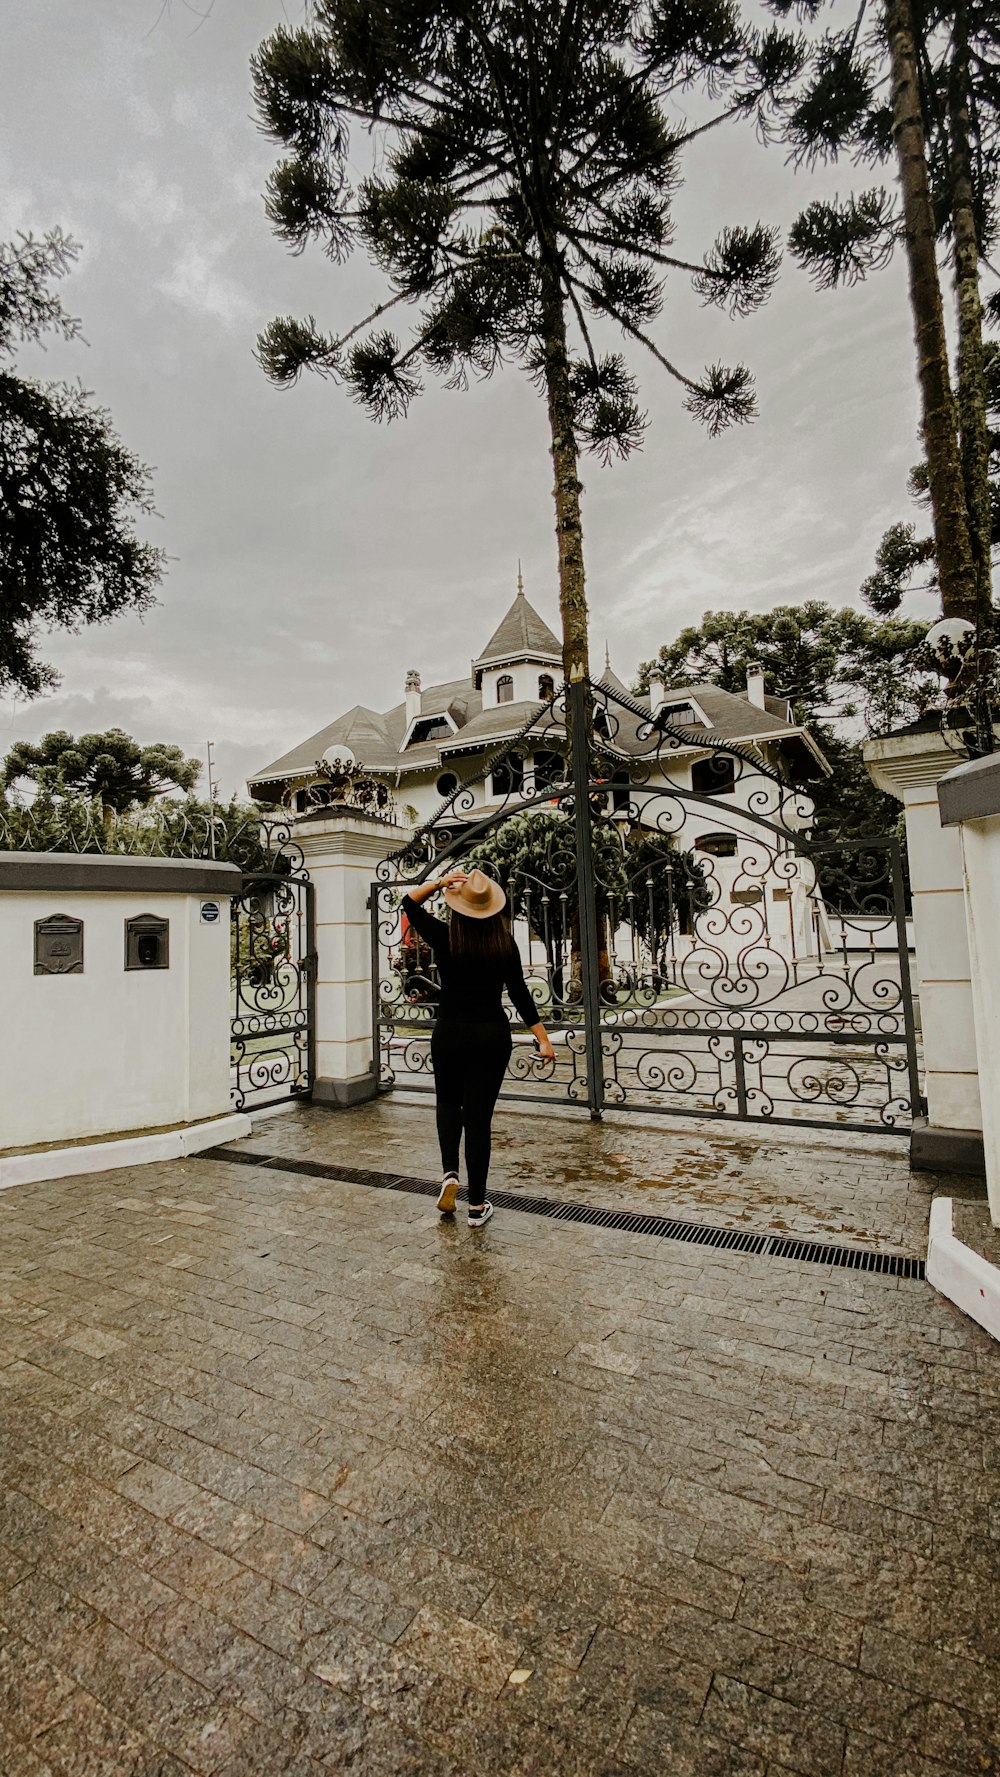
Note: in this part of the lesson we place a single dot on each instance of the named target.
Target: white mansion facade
(439, 736)
(436, 738)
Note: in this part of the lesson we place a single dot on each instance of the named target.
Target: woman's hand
(454, 879)
(542, 1043)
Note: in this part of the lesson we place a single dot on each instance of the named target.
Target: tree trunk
(567, 488)
(973, 429)
(956, 569)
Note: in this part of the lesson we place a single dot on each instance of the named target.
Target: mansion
(437, 737)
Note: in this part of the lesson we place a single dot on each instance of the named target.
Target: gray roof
(493, 726)
(520, 632)
(732, 716)
(375, 737)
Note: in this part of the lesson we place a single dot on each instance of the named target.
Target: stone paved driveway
(823, 1184)
(297, 1479)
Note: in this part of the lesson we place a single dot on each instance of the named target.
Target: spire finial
(520, 581)
(607, 658)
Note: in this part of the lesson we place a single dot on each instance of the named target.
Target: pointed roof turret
(610, 678)
(521, 634)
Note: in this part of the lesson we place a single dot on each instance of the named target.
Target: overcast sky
(315, 556)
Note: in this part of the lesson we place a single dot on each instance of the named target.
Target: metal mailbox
(59, 945)
(147, 942)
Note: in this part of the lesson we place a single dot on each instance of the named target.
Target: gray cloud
(314, 556)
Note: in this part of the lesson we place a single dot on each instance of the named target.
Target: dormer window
(505, 688)
(430, 728)
(684, 714)
(546, 687)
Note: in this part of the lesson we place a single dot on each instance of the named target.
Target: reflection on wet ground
(843, 1188)
(299, 1479)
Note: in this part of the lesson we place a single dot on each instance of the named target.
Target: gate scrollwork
(729, 961)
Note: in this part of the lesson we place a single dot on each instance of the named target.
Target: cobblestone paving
(832, 1186)
(298, 1479)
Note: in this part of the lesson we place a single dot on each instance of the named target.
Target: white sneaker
(480, 1214)
(448, 1194)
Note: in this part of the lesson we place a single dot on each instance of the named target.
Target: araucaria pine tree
(523, 169)
(918, 83)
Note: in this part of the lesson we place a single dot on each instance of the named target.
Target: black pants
(470, 1061)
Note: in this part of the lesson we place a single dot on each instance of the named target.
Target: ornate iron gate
(272, 949)
(723, 963)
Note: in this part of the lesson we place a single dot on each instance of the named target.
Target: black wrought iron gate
(272, 969)
(693, 951)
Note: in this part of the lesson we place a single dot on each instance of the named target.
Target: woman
(476, 959)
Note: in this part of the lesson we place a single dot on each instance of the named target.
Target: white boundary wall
(110, 1049)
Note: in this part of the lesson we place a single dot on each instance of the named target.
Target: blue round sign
(209, 912)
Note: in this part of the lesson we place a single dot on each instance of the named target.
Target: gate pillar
(969, 799)
(950, 1138)
(342, 850)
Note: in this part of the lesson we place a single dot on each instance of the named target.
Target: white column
(909, 766)
(342, 853)
(970, 805)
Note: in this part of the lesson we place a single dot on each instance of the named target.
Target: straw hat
(478, 898)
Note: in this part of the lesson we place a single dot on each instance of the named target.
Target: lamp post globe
(950, 639)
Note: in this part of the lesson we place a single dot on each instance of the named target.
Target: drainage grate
(733, 1240)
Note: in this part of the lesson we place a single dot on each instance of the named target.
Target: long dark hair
(480, 940)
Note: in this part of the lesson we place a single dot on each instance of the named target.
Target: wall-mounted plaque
(147, 942)
(59, 945)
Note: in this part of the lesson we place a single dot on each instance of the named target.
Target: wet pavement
(827, 1185)
(299, 1479)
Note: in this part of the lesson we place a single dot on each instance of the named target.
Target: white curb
(132, 1150)
(964, 1276)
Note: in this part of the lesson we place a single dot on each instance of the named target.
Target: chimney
(755, 685)
(657, 692)
(412, 696)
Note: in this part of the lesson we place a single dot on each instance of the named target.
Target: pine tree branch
(383, 308)
(637, 168)
(569, 48)
(636, 332)
(857, 24)
(468, 13)
(567, 283)
(713, 123)
(620, 246)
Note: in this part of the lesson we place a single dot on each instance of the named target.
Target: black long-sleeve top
(472, 988)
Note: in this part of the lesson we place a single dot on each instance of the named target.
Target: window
(505, 689)
(508, 775)
(620, 798)
(715, 776)
(446, 783)
(546, 687)
(681, 713)
(717, 845)
(430, 728)
(549, 770)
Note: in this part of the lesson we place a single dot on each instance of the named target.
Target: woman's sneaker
(448, 1194)
(480, 1213)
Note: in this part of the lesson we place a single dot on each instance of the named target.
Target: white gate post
(909, 766)
(969, 799)
(342, 851)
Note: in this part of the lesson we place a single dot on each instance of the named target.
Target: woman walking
(476, 959)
